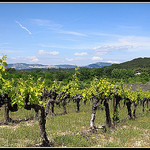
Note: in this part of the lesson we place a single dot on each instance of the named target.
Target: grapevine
(29, 94)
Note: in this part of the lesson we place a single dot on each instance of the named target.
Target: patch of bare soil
(15, 125)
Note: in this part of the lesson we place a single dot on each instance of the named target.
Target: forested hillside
(133, 64)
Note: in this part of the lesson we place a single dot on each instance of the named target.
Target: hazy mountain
(135, 63)
(19, 66)
(65, 66)
(98, 65)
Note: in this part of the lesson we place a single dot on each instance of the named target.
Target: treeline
(85, 74)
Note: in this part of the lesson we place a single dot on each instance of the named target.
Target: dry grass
(72, 129)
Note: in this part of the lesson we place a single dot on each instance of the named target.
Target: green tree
(144, 77)
(60, 75)
(49, 75)
(107, 72)
(122, 73)
(84, 74)
(98, 72)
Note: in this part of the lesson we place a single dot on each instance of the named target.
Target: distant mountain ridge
(20, 66)
(132, 64)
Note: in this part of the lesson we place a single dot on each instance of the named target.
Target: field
(72, 129)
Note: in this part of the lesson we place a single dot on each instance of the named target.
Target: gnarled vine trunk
(78, 105)
(36, 114)
(64, 106)
(128, 104)
(108, 119)
(135, 106)
(143, 104)
(94, 108)
(52, 108)
(6, 114)
(147, 102)
(42, 123)
(8, 108)
(116, 102)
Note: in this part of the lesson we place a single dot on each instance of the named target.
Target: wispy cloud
(9, 51)
(81, 54)
(24, 59)
(55, 26)
(65, 47)
(102, 50)
(23, 27)
(104, 34)
(123, 43)
(135, 41)
(129, 27)
(76, 60)
(46, 23)
(54, 46)
(4, 43)
(43, 52)
(69, 59)
(71, 32)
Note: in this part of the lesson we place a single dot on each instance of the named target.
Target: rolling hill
(133, 64)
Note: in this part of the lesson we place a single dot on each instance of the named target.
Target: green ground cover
(72, 129)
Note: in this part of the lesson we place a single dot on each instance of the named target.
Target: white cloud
(43, 52)
(124, 43)
(80, 54)
(69, 59)
(23, 27)
(135, 41)
(101, 50)
(113, 62)
(96, 58)
(76, 59)
(33, 58)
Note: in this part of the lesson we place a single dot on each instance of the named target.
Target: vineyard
(55, 115)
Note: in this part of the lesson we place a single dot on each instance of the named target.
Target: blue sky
(74, 33)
